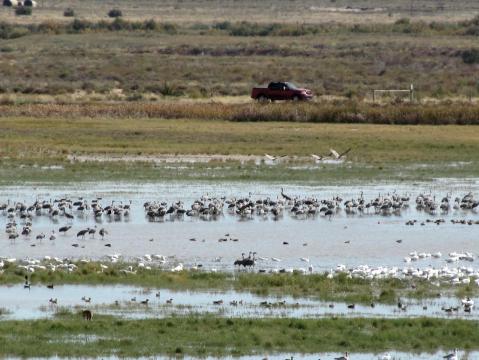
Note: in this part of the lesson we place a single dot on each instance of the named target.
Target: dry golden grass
(43, 138)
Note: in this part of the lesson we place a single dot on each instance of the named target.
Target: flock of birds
(387, 356)
(21, 215)
(20, 218)
(333, 155)
(306, 207)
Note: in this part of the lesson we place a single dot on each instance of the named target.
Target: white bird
(386, 356)
(452, 356)
(273, 158)
(337, 155)
(317, 157)
(304, 259)
(275, 259)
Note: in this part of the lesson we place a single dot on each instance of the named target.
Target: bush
(113, 13)
(403, 21)
(79, 25)
(149, 24)
(28, 3)
(8, 31)
(69, 12)
(23, 10)
(470, 56)
(472, 30)
(7, 3)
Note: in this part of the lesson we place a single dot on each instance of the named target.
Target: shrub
(470, 56)
(8, 31)
(28, 3)
(79, 25)
(113, 13)
(169, 28)
(149, 24)
(7, 3)
(403, 21)
(225, 25)
(23, 10)
(69, 12)
(120, 24)
(472, 30)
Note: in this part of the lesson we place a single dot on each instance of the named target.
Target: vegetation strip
(202, 336)
(339, 288)
(341, 112)
(244, 28)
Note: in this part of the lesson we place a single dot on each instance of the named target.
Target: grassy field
(318, 286)
(32, 138)
(30, 146)
(202, 62)
(68, 335)
(189, 11)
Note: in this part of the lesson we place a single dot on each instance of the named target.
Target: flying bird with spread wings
(337, 155)
(273, 158)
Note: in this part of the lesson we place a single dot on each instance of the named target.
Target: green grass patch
(204, 336)
(319, 286)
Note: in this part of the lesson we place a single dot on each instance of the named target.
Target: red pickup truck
(281, 91)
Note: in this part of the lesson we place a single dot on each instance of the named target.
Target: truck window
(276, 86)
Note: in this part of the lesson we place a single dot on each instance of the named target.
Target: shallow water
(372, 237)
(324, 356)
(34, 303)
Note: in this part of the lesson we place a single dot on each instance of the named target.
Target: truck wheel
(263, 99)
(296, 98)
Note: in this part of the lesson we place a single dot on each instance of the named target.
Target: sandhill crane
(26, 285)
(345, 357)
(451, 356)
(286, 197)
(64, 229)
(83, 232)
(102, 233)
(92, 232)
(337, 155)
